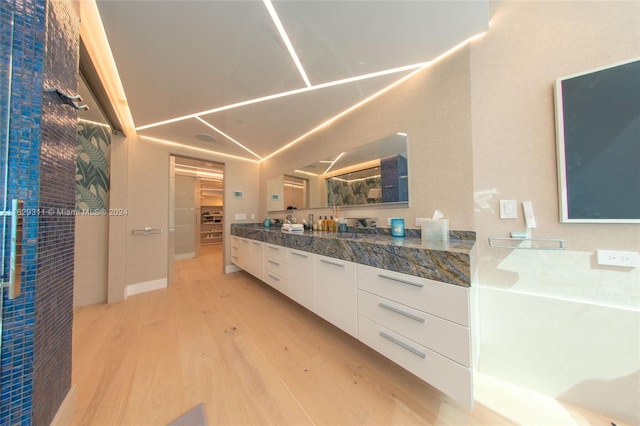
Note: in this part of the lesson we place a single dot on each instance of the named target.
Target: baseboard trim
(67, 409)
(144, 287)
(231, 268)
(184, 256)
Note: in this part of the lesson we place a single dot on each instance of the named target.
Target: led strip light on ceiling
(287, 42)
(228, 137)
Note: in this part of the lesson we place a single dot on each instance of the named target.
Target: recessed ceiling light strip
(288, 93)
(287, 42)
(228, 137)
(193, 148)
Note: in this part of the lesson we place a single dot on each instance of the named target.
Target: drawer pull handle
(332, 263)
(401, 281)
(402, 344)
(234, 257)
(401, 312)
(299, 254)
(274, 277)
(274, 262)
(274, 248)
(255, 242)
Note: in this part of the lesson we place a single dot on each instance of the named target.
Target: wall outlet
(630, 259)
(241, 216)
(419, 220)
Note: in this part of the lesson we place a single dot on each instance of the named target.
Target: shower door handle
(15, 248)
(15, 260)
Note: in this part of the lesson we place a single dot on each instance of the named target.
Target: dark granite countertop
(451, 262)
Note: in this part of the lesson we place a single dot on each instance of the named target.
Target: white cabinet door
(336, 294)
(254, 259)
(247, 254)
(302, 278)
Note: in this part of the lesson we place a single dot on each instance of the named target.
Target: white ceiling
(185, 58)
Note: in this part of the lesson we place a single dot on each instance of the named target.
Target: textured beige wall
(514, 67)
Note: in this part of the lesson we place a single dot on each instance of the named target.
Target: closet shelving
(211, 226)
(211, 220)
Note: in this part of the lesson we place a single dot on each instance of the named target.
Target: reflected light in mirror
(333, 163)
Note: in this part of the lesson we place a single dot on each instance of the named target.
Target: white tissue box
(435, 230)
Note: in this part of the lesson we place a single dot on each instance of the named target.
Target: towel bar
(558, 243)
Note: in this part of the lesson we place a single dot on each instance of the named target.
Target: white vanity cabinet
(255, 259)
(336, 293)
(421, 324)
(247, 254)
(302, 278)
(276, 269)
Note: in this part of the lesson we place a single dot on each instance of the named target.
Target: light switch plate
(508, 209)
(241, 216)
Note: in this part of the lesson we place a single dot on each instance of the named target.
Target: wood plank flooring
(249, 354)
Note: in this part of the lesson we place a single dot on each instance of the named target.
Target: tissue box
(435, 230)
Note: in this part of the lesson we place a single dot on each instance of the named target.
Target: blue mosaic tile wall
(56, 232)
(35, 362)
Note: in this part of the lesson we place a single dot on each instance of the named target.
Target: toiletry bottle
(332, 227)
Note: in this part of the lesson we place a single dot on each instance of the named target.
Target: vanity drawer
(275, 252)
(444, 337)
(276, 281)
(447, 301)
(450, 377)
(276, 266)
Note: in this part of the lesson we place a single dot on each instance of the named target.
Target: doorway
(196, 209)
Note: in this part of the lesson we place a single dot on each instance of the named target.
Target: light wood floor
(252, 356)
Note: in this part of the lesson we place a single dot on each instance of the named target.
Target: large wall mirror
(374, 173)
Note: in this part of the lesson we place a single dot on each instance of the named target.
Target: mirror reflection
(374, 173)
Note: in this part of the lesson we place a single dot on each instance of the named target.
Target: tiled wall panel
(54, 289)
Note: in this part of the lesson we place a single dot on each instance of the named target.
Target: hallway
(249, 354)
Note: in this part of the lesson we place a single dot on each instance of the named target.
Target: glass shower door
(11, 209)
